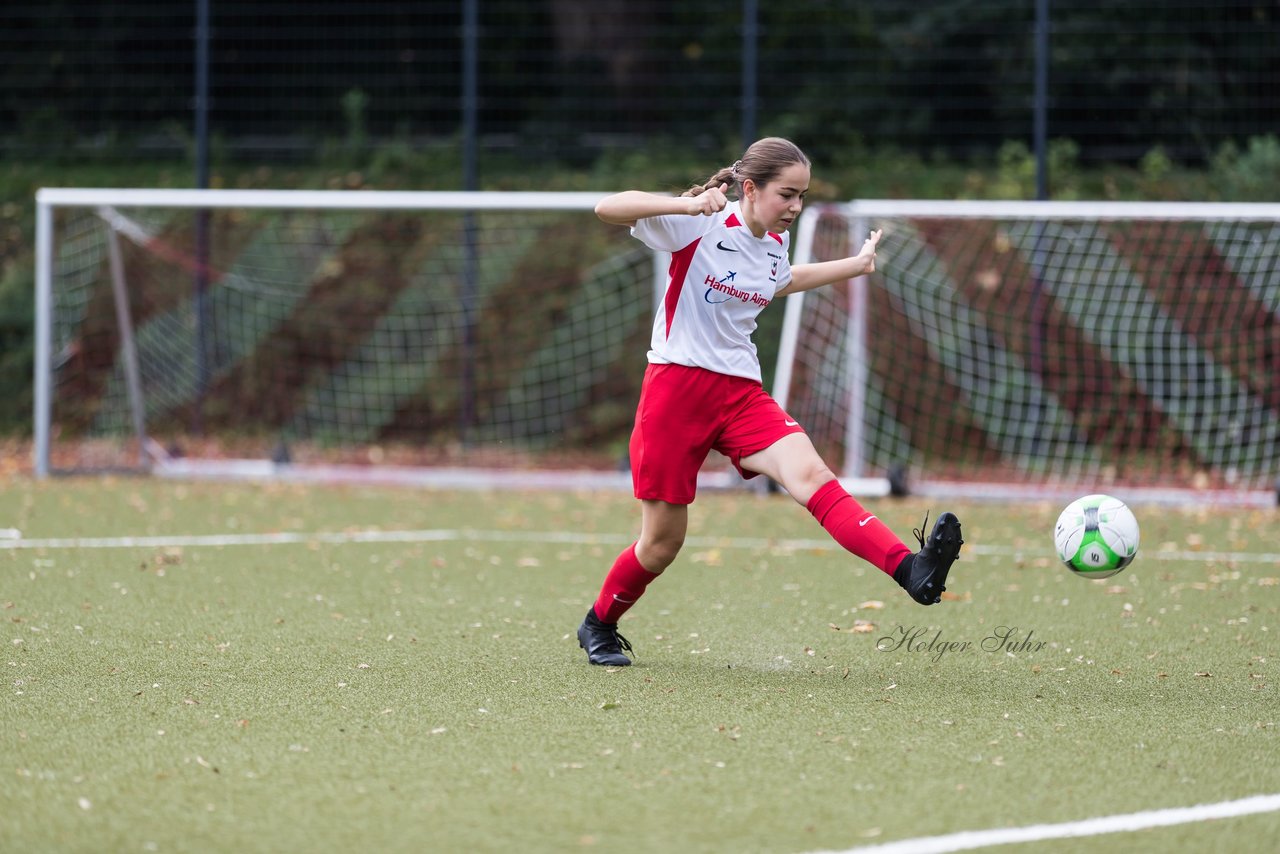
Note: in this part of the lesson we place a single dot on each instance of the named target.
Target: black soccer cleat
(924, 573)
(602, 642)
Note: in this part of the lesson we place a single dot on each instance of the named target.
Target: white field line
(16, 541)
(970, 839)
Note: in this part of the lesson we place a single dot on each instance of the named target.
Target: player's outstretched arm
(806, 277)
(630, 205)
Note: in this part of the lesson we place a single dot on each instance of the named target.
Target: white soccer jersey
(721, 278)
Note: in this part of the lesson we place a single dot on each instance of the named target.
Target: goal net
(184, 331)
(1044, 348)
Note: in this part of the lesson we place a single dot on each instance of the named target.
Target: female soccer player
(703, 390)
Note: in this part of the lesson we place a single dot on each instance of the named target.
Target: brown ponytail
(761, 162)
(724, 176)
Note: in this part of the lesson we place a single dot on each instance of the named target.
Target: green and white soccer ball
(1096, 536)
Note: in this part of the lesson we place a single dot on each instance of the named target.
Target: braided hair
(763, 160)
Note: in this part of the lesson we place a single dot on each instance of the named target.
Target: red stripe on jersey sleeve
(731, 220)
(679, 270)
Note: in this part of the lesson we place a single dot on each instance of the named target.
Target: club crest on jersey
(720, 290)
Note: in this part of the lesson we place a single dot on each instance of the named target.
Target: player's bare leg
(793, 462)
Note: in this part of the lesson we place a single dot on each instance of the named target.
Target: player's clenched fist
(709, 202)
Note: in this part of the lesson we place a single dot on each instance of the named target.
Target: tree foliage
(569, 79)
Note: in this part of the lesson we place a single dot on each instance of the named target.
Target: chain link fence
(559, 81)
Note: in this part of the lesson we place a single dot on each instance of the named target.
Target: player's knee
(809, 478)
(656, 553)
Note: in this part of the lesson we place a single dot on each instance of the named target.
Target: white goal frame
(151, 457)
(862, 215)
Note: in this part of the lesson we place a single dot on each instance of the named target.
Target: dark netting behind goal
(1134, 346)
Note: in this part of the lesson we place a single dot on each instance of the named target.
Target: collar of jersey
(732, 221)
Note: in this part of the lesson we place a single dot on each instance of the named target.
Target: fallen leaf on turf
(854, 628)
(862, 627)
(1203, 673)
(168, 557)
(871, 605)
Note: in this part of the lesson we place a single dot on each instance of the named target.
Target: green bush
(1251, 175)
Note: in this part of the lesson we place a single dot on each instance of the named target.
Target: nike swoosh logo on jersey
(720, 245)
(792, 423)
(863, 523)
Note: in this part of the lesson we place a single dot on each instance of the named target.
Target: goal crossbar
(367, 200)
(1045, 210)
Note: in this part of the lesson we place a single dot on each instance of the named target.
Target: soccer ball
(1096, 536)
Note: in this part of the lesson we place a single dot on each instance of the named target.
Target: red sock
(854, 528)
(624, 584)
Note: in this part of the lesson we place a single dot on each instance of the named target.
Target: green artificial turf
(429, 693)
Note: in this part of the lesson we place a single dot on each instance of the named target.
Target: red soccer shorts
(684, 414)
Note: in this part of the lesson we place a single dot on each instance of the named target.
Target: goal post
(459, 332)
(1031, 349)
